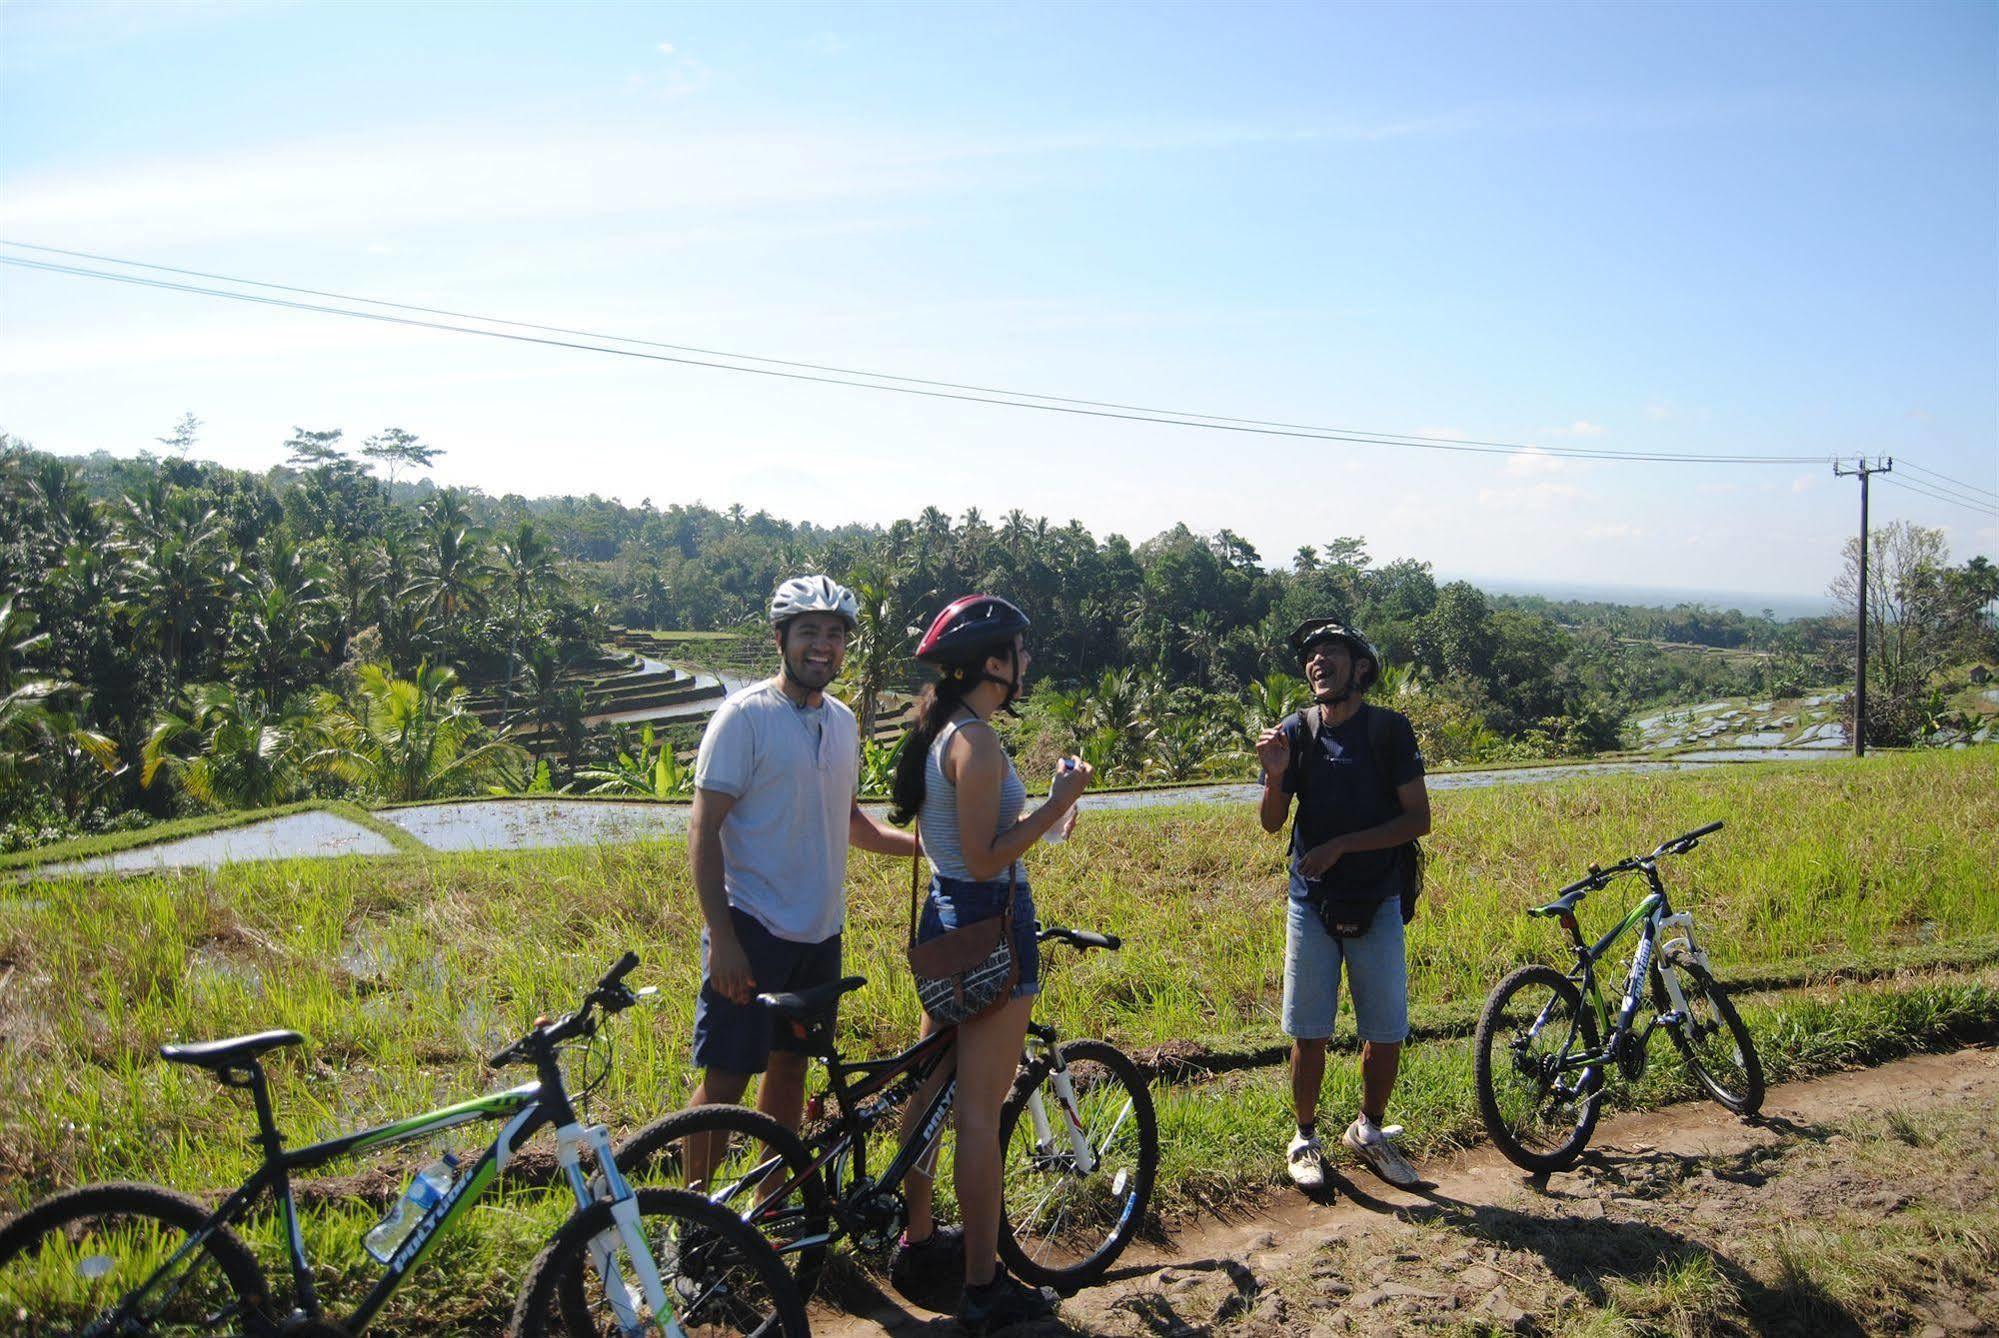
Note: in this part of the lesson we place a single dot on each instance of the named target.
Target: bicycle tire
(652, 1157)
(1503, 1023)
(1692, 1038)
(1113, 1096)
(36, 1244)
(729, 1278)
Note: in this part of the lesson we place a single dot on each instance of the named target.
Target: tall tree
(396, 450)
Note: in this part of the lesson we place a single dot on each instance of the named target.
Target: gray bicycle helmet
(813, 594)
(1316, 631)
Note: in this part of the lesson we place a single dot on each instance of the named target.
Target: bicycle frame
(525, 1109)
(862, 1105)
(1653, 917)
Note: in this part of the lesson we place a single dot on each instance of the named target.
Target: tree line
(178, 635)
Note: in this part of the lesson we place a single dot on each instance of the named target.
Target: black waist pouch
(1347, 914)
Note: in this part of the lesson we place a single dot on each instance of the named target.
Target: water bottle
(1055, 834)
(430, 1184)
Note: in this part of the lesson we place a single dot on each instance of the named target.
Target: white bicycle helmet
(813, 594)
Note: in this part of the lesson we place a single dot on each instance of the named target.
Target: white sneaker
(1381, 1155)
(1306, 1161)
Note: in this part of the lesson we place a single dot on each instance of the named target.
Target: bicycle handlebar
(608, 995)
(1678, 845)
(1080, 938)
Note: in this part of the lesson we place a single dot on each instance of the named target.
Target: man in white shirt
(775, 809)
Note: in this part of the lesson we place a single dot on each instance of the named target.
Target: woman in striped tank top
(956, 780)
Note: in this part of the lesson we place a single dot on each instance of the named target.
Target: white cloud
(1582, 427)
(1804, 482)
(666, 48)
(1533, 462)
(1531, 497)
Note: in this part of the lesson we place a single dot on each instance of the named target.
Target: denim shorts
(1377, 976)
(954, 902)
(737, 1038)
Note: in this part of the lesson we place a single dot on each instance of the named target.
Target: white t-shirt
(794, 774)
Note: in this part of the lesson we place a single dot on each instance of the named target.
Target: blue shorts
(953, 903)
(1377, 976)
(738, 1038)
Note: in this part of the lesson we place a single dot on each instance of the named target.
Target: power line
(751, 357)
(1929, 489)
(1968, 487)
(1908, 485)
(1370, 435)
(883, 381)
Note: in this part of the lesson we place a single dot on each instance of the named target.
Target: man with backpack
(1356, 869)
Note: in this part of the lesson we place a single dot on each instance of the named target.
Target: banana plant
(652, 772)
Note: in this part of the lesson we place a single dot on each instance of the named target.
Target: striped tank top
(938, 819)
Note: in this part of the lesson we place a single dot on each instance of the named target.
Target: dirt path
(1866, 1202)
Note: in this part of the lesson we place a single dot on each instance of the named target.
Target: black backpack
(1410, 856)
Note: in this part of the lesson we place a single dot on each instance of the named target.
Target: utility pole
(1861, 470)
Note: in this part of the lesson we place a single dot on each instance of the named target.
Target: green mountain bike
(1547, 1043)
(136, 1259)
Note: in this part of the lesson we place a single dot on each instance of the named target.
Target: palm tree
(22, 698)
(525, 562)
(1270, 700)
(880, 635)
(183, 567)
(449, 584)
(281, 619)
(409, 739)
(248, 756)
(66, 757)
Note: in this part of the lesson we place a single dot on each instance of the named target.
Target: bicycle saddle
(1561, 905)
(232, 1053)
(809, 1003)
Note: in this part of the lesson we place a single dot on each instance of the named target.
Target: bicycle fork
(569, 1141)
(1085, 1156)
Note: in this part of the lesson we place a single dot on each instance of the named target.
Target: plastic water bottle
(1055, 834)
(430, 1184)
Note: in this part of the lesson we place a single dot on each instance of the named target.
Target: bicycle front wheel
(1531, 1092)
(116, 1259)
(716, 1276)
(1068, 1211)
(1711, 1037)
(742, 1159)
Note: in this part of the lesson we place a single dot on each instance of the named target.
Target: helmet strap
(1011, 684)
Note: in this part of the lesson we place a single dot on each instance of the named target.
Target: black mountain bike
(1079, 1147)
(1542, 1069)
(137, 1259)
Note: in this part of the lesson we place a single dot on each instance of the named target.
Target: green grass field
(404, 972)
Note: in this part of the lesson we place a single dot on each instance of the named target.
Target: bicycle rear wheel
(1712, 1038)
(718, 1277)
(750, 1156)
(74, 1263)
(1531, 1098)
(1062, 1226)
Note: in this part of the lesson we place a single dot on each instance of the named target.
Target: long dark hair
(935, 706)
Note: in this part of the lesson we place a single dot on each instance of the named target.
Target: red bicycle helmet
(968, 629)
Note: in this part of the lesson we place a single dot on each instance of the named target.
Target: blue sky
(1755, 228)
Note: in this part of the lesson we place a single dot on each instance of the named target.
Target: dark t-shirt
(1339, 787)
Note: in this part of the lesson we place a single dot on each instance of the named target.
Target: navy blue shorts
(954, 902)
(738, 1038)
